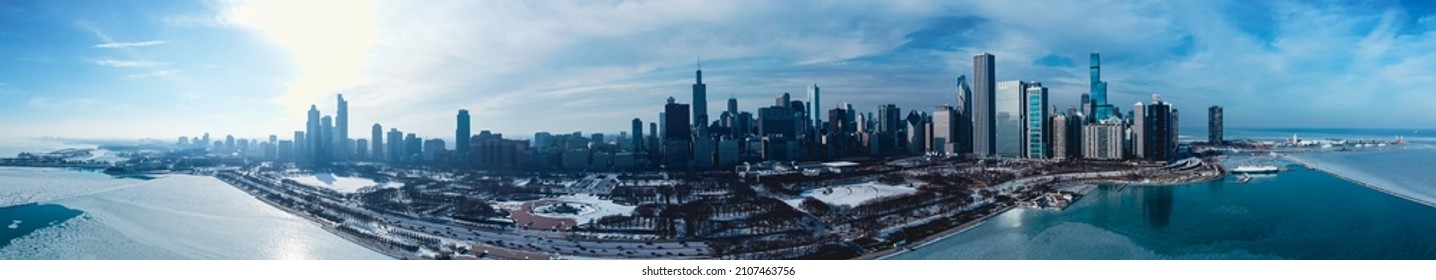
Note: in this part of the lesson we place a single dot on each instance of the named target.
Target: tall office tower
(743, 125)
(326, 130)
(312, 129)
(678, 138)
(733, 106)
(916, 133)
(1075, 121)
(637, 135)
(376, 140)
(272, 151)
(361, 149)
(1139, 131)
(800, 116)
(300, 151)
(943, 127)
(852, 115)
(839, 138)
(1214, 125)
(1160, 141)
(341, 129)
(1102, 110)
(815, 110)
(396, 145)
(783, 100)
(700, 105)
(984, 129)
(1087, 106)
(1007, 119)
(462, 146)
(413, 147)
(1038, 128)
(889, 118)
(1175, 128)
(229, 144)
(205, 140)
(963, 112)
(1058, 142)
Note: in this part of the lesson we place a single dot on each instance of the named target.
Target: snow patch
(857, 194)
(339, 183)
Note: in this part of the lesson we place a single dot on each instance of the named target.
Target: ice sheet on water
(32, 185)
(175, 217)
(1402, 171)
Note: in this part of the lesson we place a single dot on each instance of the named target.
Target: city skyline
(221, 68)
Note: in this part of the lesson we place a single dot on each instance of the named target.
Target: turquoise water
(21, 220)
(1299, 214)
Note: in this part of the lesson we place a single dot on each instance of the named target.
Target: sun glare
(329, 41)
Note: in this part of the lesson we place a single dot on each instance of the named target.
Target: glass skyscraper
(1038, 131)
(1007, 119)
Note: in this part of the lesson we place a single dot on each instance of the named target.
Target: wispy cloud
(154, 74)
(117, 45)
(45, 103)
(125, 63)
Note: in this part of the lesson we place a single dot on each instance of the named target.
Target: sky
(163, 69)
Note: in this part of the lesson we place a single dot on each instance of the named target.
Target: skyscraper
(916, 132)
(637, 135)
(462, 146)
(1098, 88)
(733, 106)
(376, 139)
(943, 126)
(342, 145)
(1038, 130)
(678, 138)
(299, 143)
(313, 145)
(962, 111)
(984, 130)
(396, 145)
(1059, 138)
(700, 104)
(1160, 135)
(1139, 131)
(1214, 125)
(1008, 138)
(815, 110)
(326, 130)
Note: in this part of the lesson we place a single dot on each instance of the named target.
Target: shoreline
(930, 239)
(1372, 186)
(948, 233)
(322, 224)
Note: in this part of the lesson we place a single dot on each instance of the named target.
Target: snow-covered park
(854, 194)
(338, 183)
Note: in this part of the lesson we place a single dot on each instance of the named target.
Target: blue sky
(250, 68)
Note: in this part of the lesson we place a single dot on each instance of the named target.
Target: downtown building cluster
(988, 119)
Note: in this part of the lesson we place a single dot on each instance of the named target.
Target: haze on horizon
(128, 69)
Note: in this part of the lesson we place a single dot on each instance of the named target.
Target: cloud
(117, 45)
(156, 73)
(45, 103)
(533, 66)
(125, 63)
